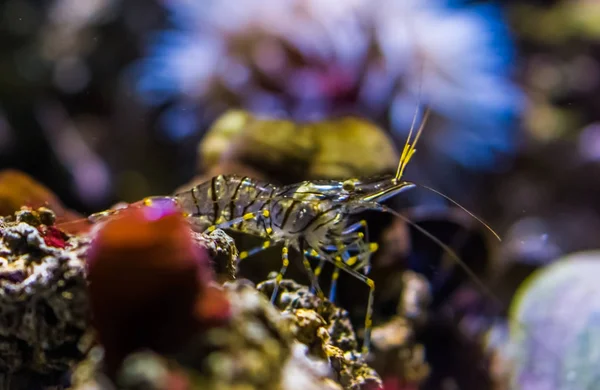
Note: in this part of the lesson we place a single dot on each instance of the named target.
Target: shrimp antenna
(447, 250)
(456, 258)
(406, 144)
(409, 147)
(481, 221)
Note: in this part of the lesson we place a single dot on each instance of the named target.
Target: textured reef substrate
(44, 311)
(47, 341)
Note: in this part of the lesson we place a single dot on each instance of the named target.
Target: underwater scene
(299, 194)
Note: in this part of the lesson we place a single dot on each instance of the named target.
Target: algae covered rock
(255, 349)
(327, 329)
(288, 151)
(44, 310)
(351, 147)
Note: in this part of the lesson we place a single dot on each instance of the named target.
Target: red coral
(149, 283)
(53, 236)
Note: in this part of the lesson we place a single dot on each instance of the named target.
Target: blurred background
(107, 100)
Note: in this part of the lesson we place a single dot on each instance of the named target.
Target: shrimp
(312, 214)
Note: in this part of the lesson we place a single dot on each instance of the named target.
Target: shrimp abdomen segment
(225, 198)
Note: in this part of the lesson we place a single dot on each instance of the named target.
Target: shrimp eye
(348, 185)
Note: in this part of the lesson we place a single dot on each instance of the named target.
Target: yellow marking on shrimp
(336, 274)
(248, 216)
(243, 255)
(410, 146)
(373, 247)
(267, 244)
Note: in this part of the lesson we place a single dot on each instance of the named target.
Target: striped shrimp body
(295, 216)
(315, 213)
(350, 197)
(312, 213)
(227, 198)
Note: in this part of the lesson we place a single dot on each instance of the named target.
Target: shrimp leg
(338, 262)
(285, 263)
(246, 217)
(267, 244)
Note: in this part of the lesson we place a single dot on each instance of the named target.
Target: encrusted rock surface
(45, 326)
(327, 330)
(43, 304)
(289, 151)
(255, 350)
(223, 251)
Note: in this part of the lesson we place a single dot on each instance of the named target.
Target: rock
(219, 137)
(44, 310)
(320, 322)
(256, 349)
(351, 147)
(287, 151)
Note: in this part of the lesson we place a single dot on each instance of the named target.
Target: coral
(256, 349)
(43, 301)
(150, 283)
(145, 280)
(327, 329)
